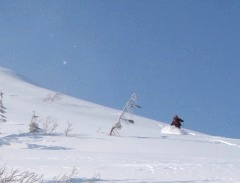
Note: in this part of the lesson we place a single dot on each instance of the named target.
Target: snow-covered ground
(146, 152)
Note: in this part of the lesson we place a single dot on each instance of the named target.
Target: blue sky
(179, 57)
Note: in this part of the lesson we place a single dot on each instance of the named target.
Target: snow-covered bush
(33, 126)
(124, 116)
(3, 118)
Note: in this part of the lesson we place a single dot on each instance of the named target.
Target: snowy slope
(146, 152)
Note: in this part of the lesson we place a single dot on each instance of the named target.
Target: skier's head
(176, 116)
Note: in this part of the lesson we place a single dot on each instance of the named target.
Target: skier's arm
(181, 120)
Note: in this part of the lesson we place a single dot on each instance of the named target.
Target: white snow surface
(146, 152)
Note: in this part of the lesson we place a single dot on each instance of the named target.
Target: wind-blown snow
(146, 152)
(173, 130)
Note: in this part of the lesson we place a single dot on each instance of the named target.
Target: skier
(177, 121)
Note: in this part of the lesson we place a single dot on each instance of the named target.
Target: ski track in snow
(219, 141)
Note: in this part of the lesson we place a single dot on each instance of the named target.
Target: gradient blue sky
(179, 57)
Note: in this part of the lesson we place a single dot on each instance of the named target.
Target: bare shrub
(49, 125)
(15, 176)
(68, 129)
(53, 97)
(95, 178)
(66, 178)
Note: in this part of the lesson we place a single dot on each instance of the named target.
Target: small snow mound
(173, 130)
